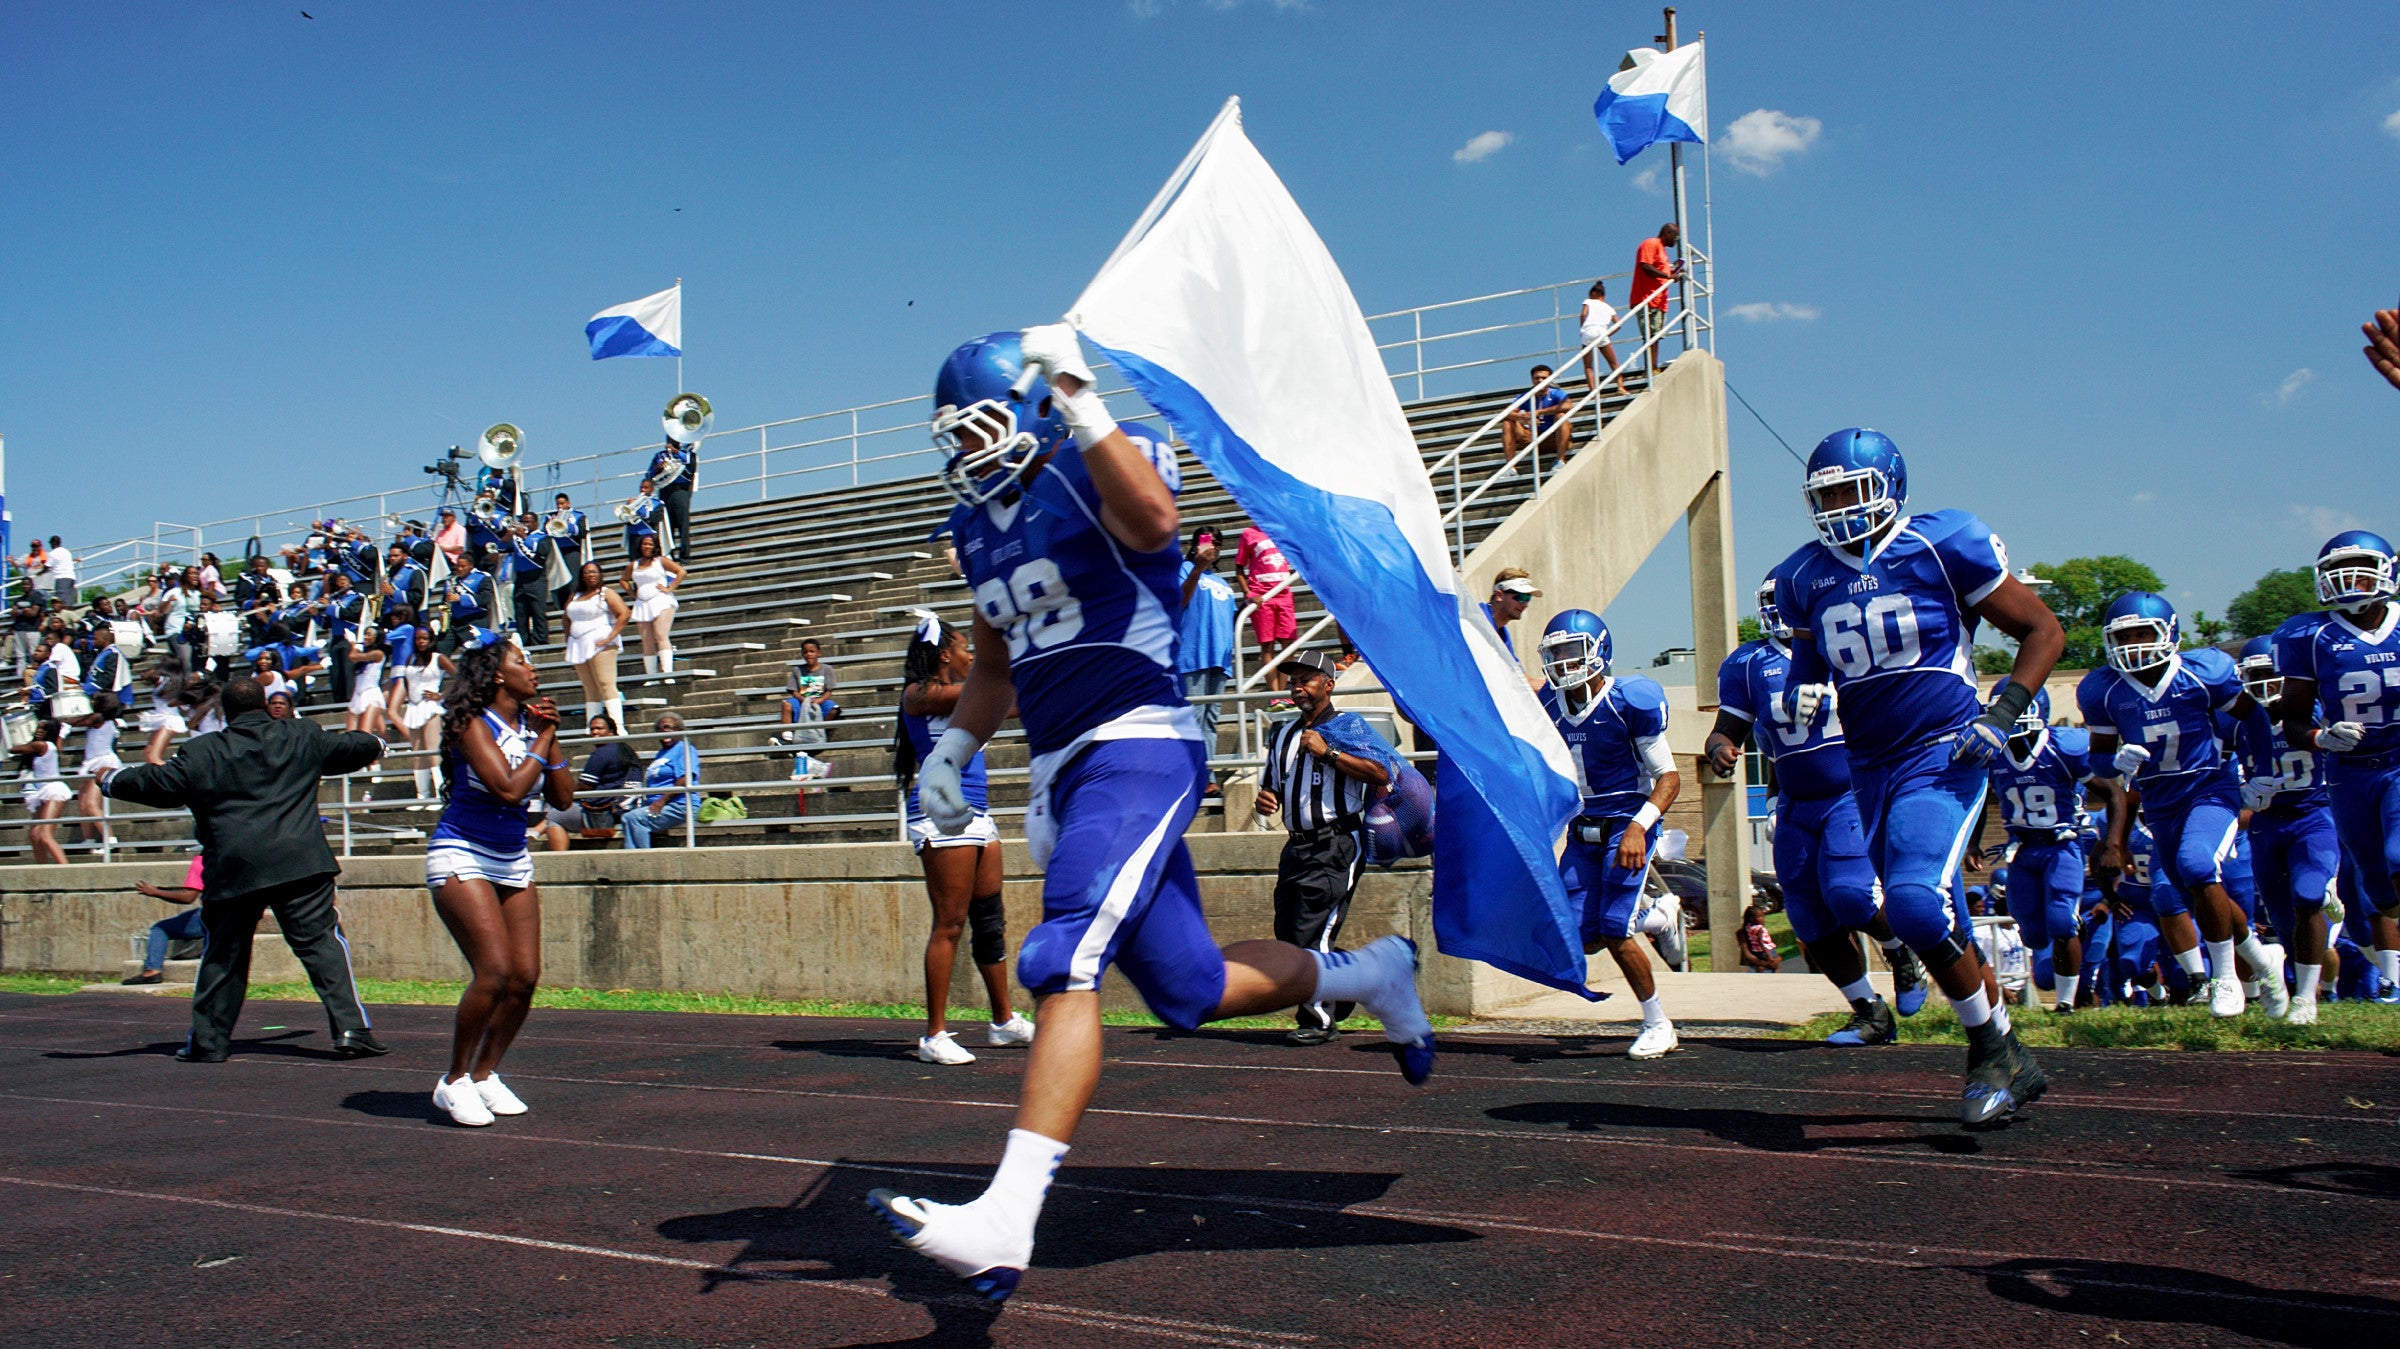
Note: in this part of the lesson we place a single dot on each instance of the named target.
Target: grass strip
(41, 983)
(2368, 1026)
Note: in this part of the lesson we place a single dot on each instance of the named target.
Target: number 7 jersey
(1897, 629)
(1090, 623)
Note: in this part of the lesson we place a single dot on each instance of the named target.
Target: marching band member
(641, 514)
(403, 582)
(528, 559)
(567, 528)
(674, 471)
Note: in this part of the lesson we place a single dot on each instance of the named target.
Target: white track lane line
(1194, 1332)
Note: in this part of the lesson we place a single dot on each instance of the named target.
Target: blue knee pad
(2196, 843)
(2293, 859)
(1608, 896)
(2045, 885)
(1821, 861)
(1920, 811)
(2366, 816)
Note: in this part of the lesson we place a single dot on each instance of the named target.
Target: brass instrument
(687, 418)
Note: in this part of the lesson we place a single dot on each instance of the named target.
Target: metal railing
(1429, 351)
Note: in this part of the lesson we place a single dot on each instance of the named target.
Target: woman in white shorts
(421, 718)
(45, 796)
(596, 617)
(962, 870)
(500, 742)
(163, 719)
(652, 578)
(365, 712)
(99, 759)
(1599, 319)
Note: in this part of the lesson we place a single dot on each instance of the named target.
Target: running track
(689, 1180)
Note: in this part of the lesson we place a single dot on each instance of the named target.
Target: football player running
(1070, 552)
(1829, 889)
(2039, 776)
(1883, 610)
(2341, 699)
(2152, 714)
(1616, 731)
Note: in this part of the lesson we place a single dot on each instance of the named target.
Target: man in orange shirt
(1652, 270)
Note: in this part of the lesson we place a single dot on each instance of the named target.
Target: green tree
(1748, 630)
(1994, 660)
(2275, 597)
(2080, 590)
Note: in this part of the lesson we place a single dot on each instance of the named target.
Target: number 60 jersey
(1896, 630)
(1090, 623)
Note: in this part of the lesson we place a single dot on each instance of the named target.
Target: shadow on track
(1095, 1216)
(2360, 1178)
(262, 1045)
(2122, 1291)
(1767, 1131)
(416, 1105)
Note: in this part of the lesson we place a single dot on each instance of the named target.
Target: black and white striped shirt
(1312, 793)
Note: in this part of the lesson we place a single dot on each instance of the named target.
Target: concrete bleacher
(843, 567)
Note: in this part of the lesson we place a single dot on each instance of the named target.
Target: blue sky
(2101, 279)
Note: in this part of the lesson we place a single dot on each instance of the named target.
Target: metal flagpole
(5, 543)
(1682, 229)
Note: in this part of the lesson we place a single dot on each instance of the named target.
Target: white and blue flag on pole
(1224, 309)
(649, 326)
(1659, 96)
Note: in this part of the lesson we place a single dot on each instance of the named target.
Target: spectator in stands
(609, 764)
(62, 573)
(45, 795)
(1598, 322)
(1512, 589)
(1653, 271)
(1204, 643)
(35, 566)
(652, 577)
(1276, 620)
(2383, 344)
(596, 618)
(676, 764)
(1758, 952)
(1547, 410)
(184, 925)
(212, 575)
(450, 537)
(25, 628)
(808, 693)
(281, 703)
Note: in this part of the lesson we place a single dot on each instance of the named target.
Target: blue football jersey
(1810, 761)
(2357, 671)
(1090, 624)
(1606, 739)
(2176, 721)
(1896, 631)
(2040, 798)
(2265, 753)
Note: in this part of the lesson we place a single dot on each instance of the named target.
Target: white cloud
(2322, 522)
(1760, 311)
(2144, 498)
(2391, 126)
(1151, 9)
(1759, 141)
(2291, 386)
(1482, 147)
(1647, 181)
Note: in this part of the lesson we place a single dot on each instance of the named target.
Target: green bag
(719, 808)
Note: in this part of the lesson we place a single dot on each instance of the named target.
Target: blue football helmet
(2356, 570)
(1870, 461)
(2031, 721)
(1770, 615)
(2257, 667)
(991, 433)
(2139, 632)
(1575, 648)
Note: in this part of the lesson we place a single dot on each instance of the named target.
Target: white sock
(1861, 989)
(666, 660)
(590, 710)
(424, 778)
(2307, 976)
(1023, 1180)
(435, 773)
(1891, 947)
(2000, 1020)
(2220, 958)
(1652, 1013)
(649, 665)
(2190, 960)
(2066, 989)
(1974, 1009)
(2389, 963)
(616, 714)
(2261, 962)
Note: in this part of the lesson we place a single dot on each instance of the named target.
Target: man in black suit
(252, 791)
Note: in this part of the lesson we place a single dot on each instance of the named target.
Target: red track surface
(688, 1180)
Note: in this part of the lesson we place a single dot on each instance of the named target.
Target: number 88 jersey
(1897, 628)
(1090, 623)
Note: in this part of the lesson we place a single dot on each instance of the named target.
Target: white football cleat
(2303, 1013)
(461, 1102)
(2271, 990)
(498, 1098)
(968, 1240)
(943, 1049)
(1654, 1042)
(2225, 996)
(1393, 1001)
(1014, 1031)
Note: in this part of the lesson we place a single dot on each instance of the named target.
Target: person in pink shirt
(451, 537)
(184, 925)
(1276, 620)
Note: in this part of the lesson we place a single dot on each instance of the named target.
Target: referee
(1323, 793)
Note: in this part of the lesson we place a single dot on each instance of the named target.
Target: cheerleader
(500, 741)
(164, 719)
(365, 712)
(652, 577)
(962, 870)
(596, 617)
(45, 796)
(421, 718)
(99, 760)
(400, 637)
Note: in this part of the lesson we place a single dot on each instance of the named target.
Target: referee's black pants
(1314, 880)
(304, 910)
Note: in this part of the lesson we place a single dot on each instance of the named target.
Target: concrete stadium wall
(836, 921)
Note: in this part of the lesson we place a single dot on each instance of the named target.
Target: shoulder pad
(2074, 742)
(2095, 681)
(2299, 625)
(1641, 692)
(1935, 526)
(2208, 663)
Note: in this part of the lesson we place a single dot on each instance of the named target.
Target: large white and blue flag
(1659, 96)
(1224, 309)
(649, 326)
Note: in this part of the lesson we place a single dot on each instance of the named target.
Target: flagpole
(1682, 230)
(679, 335)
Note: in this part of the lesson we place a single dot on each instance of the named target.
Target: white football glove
(1054, 347)
(2130, 759)
(2259, 793)
(1808, 700)
(2341, 737)
(939, 790)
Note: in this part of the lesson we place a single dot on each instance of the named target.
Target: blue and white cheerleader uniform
(480, 836)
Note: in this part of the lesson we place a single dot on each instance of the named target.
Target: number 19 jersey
(1090, 623)
(1897, 629)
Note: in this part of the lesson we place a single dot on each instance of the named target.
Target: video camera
(446, 468)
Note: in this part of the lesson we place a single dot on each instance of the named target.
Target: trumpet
(625, 511)
(558, 526)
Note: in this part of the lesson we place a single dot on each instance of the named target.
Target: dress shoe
(189, 1055)
(359, 1044)
(146, 977)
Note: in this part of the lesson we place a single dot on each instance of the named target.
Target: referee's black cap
(1309, 663)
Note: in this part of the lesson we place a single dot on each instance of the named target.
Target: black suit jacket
(252, 791)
